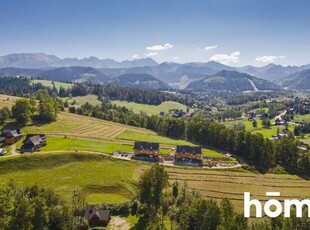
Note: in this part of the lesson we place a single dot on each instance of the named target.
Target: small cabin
(11, 136)
(97, 218)
(33, 142)
(146, 149)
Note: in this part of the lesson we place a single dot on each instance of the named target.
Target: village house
(191, 155)
(33, 142)
(282, 134)
(3, 151)
(279, 121)
(97, 218)
(146, 149)
(176, 113)
(304, 146)
(11, 136)
(251, 116)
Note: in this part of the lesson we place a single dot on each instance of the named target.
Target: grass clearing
(7, 101)
(91, 99)
(305, 117)
(152, 109)
(48, 83)
(266, 132)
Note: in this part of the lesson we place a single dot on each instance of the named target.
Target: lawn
(60, 143)
(48, 83)
(152, 109)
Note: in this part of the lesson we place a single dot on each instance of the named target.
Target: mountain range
(174, 74)
(41, 60)
(232, 81)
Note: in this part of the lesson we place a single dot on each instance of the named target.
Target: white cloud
(159, 47)
(226, 58)
(175, 58)
(270, 58)
(210, 47)
(135, 56)
(151, 54)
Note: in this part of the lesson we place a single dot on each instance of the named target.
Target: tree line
(36, 208)
(150, 97)
(39, 108)
(23, 87)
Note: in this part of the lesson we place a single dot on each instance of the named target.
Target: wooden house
(146, 149)
(11, 136)
(33, 142)
(188, 153)
(97, 218)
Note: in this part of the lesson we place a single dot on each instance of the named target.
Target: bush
(72, 109)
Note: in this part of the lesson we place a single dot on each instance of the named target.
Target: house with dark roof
(188, 154)
(11, 136)
(33, 142)
(97, 218)
(146, 149)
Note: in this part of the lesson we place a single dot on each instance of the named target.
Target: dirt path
(118, 223)
(13, 150)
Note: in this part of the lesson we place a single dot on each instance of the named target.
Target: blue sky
(234, 32)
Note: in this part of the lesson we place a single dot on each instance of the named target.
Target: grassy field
(134, 136)
(91, 99)
(259, 109)
(266, 132)
(100, 178)
(104, 179)
(219, 184)
(305, 117)
(60, 143)
(7, 101)
(151, 109)
(48, 83)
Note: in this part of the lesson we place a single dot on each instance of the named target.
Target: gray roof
(188, 149)
(103, 215)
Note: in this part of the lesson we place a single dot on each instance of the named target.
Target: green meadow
(100, 178)
(151, 109)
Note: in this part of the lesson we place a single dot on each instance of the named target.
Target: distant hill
(231, 81)
(297, 81)
(30, 61)
(41, 60)
(141, 81)
(11, 71)
(75, 74)
(271, 72)
(175, 74)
